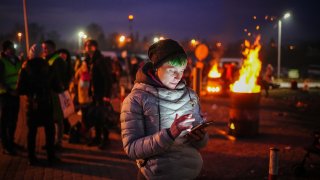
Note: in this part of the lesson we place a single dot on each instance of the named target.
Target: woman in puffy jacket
(157, 115)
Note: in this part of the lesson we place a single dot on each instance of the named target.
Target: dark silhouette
(9, 70)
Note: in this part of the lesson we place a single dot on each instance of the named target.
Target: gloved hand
(180, 124)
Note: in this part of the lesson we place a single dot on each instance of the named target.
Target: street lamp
(194, 42)
(130, 18)
(122, 39)
(19, 34)
(156, 39)
(286, 16)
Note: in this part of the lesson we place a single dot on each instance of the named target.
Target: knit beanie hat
(35, 51)
(163, 51)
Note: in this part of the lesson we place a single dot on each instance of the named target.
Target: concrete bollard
(273, 163)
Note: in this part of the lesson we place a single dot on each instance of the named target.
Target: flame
(232, 126)
(213, 89)
(214, 73)
(250, 70)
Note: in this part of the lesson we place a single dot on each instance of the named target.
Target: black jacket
(34, 83)
(101, 75)
(58, 74)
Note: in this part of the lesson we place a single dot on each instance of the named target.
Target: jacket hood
(146, 75)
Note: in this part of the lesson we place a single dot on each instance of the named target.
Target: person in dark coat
(100, 88)
(65, 55)
(34, 83)
(58, 76)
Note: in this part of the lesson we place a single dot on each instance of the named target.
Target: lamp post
(26, 30)
(131, 39)
(122, 41)
(286, 16)
(19, 34)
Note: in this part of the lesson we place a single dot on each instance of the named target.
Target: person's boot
(105, 139)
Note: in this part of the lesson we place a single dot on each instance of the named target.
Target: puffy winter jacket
(147, 112)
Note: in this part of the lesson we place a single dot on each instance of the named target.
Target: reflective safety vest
(52, 59)
(11, 74)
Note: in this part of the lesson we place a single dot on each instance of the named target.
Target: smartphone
(201, 126)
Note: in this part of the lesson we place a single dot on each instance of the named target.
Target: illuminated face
(89, 48)
(170, 75)
(47, 49)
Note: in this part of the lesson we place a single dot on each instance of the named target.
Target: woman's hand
(180, 124)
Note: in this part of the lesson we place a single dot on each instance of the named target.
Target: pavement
(225, 157)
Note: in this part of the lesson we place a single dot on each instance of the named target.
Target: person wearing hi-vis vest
(9, 72)
(58, 77)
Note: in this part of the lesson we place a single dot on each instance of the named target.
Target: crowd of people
(156, 116)
(41, 77)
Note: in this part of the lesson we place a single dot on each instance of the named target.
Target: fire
(232, 126)
(213, 84)
(214, 73)
(250, 70)
(213, 89)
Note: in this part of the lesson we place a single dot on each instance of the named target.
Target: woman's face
(170, 75)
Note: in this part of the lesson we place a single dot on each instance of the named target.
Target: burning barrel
(244, 114)
(245, 96)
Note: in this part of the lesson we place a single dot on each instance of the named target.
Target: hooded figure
(157, 115)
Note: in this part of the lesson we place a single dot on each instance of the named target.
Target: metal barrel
(244, 114)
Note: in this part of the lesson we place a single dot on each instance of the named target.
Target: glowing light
(232, 126)
(287, 15)
(213, 89)
(19, 34)
(130, 17)
(122, 38)
(81, 34)
(250, 70)
(249, 34)
(254, 17)
(257, 27)
(214, 72)
(194, 42)
(291, 47)
(245, 30)
(219, 44)
(156, 39)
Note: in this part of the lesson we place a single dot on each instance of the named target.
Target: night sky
(222, 20)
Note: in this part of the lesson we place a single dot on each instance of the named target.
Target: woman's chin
(172, 86)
